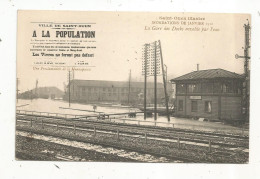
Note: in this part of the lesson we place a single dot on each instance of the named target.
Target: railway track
(80, 118)
(119, 151)
(220, 144)
(196, 137)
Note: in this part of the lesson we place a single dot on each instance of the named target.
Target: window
(208, 106)
(207, 87)
(194, 106)
(217, 87)
(83, 91)
(227, 87)
(180, 106)
(237, 87)
(193, 88)
(181, 88)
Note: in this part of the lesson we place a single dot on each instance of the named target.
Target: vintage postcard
(133, 87)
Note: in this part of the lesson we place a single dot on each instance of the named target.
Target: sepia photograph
(141, 87)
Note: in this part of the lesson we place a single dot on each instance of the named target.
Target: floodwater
(62, 107)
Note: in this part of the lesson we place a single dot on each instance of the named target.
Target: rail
(118, 132)
(123, 119)
(26, 112)
(82, 117)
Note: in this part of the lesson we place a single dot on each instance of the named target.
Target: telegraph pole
(155, 80)
(166, 76)
(154, 54)
(36, 89)
(31, 92)
(129, 86)
(72, 78)
(145, 77)
(164, 83)
(69, 88)
(246, 60)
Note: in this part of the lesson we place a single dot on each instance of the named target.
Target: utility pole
(129, 87)
(36, 89)
(166, 76)
(151, 66)
(72, 78)
(155, 80)
(69, 88)
(246, 57)
(164, 82)
(31, 92)
(145, 77)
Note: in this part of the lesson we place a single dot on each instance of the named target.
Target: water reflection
(55, 106)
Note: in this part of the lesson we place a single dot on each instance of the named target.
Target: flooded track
(132, 139)
(53, 106)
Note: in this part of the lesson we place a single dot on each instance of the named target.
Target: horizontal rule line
(60, 65)
(63, 28)
(62, 43)
(64, 22)
(73, 66)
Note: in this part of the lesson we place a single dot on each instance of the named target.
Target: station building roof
(113, 84)
(208, 74)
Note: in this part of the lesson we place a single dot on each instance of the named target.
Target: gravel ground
(187, 152)
(28, 148)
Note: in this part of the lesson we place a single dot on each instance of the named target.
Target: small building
(42, 92)
(211, 94)
(92, 91)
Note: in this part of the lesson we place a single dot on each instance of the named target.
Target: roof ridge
(209, 73)
(113, 81)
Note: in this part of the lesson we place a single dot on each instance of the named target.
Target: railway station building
(95, 91)
(214, 94)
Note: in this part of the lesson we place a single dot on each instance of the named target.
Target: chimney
(198, 67)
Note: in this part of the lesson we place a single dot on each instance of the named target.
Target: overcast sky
(120, 38)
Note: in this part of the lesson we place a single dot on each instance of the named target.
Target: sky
(120, 37)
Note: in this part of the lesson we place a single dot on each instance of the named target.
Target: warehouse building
(92, 91)
(211, 94)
